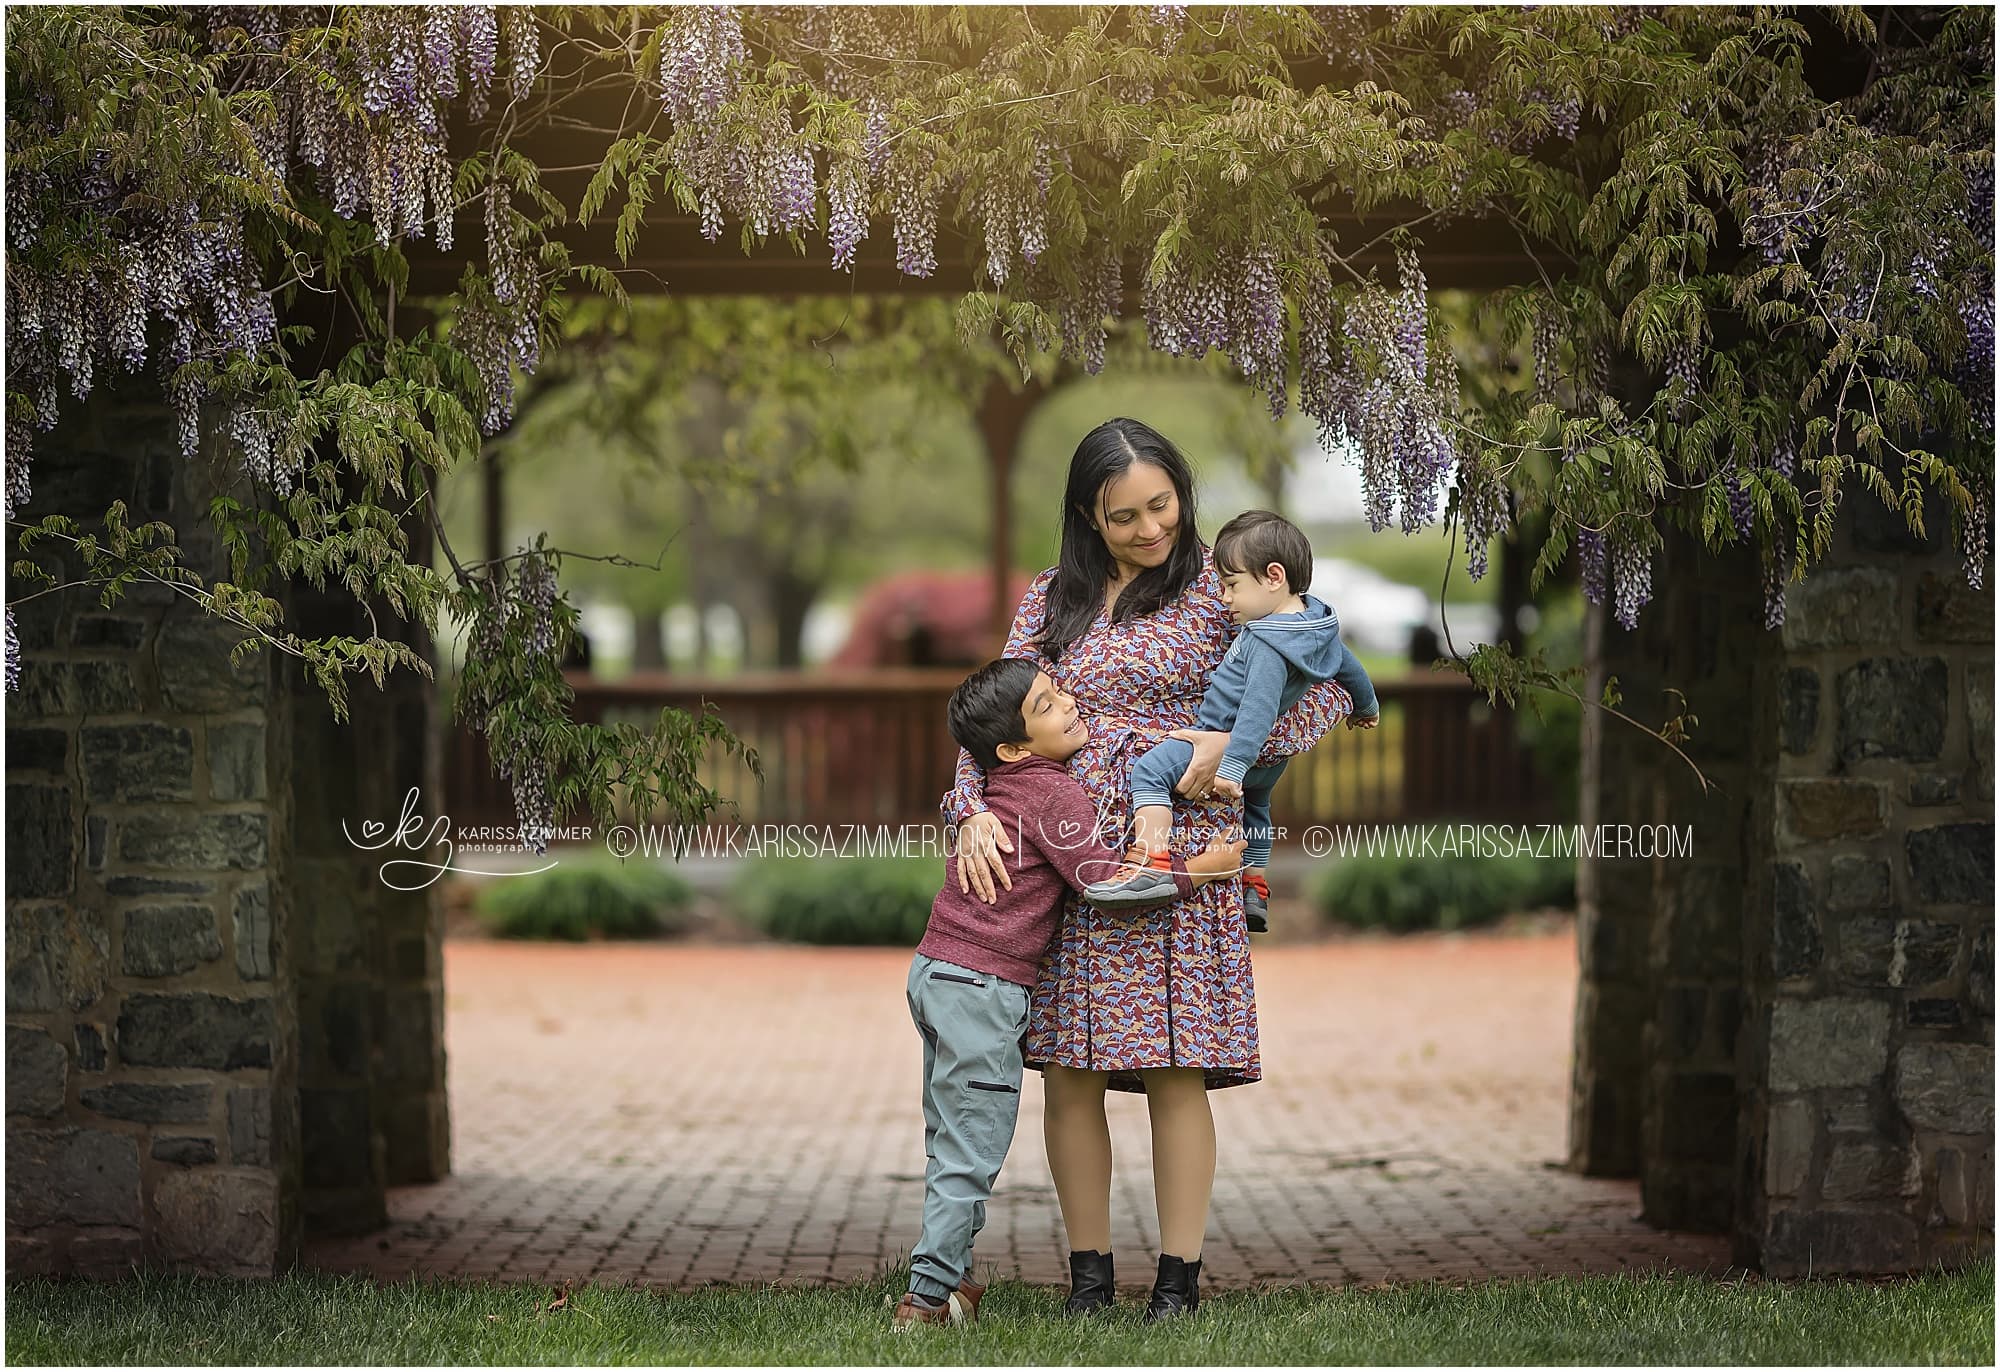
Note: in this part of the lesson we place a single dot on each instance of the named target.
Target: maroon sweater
(1053, 828)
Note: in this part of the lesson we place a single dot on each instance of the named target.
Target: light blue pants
(972, 1024)
(1155, 775)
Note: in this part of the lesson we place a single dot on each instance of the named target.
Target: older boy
(968, 983)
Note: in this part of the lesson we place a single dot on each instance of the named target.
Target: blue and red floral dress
(1169, 986)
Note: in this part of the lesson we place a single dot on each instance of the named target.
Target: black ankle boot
(1177, 1290)
(1090, 1285)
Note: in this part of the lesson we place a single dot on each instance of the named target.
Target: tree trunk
(649, 641)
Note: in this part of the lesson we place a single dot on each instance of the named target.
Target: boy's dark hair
(985, 711)
(1256, 538)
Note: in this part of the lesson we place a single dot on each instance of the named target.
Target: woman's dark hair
(1256, 538)
(985, 711)
(1084, 564)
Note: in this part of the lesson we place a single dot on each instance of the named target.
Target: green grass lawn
(317, 1319)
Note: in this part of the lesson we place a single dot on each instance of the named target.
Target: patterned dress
(1168, 986)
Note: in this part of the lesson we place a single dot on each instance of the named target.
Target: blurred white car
(1377, 614)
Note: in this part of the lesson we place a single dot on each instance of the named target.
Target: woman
(1131, 622)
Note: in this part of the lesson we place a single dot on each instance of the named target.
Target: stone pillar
(1706, 625)
(1867, 1065)
(371, 984)
(151, 1032)
(1614, 914)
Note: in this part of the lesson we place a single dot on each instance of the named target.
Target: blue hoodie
(1271, 664)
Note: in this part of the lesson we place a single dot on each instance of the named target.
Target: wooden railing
(871, 748)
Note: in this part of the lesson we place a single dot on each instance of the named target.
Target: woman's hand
(981, 840)
(1199, 778)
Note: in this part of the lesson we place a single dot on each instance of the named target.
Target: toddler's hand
(1357, 722)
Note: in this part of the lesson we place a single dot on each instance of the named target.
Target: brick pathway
(679, 1115)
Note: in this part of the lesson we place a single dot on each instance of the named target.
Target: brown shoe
(960, 1307)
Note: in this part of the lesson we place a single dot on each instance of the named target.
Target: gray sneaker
(1149, 886)
(1255, 911)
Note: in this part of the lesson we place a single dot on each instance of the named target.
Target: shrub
(585, 898)
(1405, 893)
(863, 900)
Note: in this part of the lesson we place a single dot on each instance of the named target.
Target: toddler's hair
(985, 711)
(1256, 538)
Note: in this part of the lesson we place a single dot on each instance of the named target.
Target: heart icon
(371, 828)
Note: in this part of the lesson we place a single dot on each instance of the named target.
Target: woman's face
(1139, 515)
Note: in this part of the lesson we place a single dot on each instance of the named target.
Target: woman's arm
(1324, 705)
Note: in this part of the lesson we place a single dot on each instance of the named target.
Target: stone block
(218, 1221)
(1951, 864)
(1828, 1042)
(184, 1150)
(57, 958)
(55, 690)
(411, 1026)
(339, 1136)
(1698, 1117)
(134, 762)
(150, 1102)
(96, 841)
(1870, 1171)
(37, 1072)
(1876, 528)
(1858, 883)
(1683, 1018)
(250, 1126)
(38, 750)
(1934, 1013)
(195, 671)
(236, 764)
(336, 1029)
(109, 1253)
(1979, 722)
(132, 884)
(1950, 611)
(1839, 607)
(1879, 951)
(1979, 977)
(1946, 1086)
(195, 1029)
(1788, 1147)
(253, 931)
(1833, 1242)
(165, 839)
(1704, 922)
(71, 1176)
(1798, 710)
(1796, 948)
(108, 631)
(1822, 809)
(1892, 707)
(1860, 1111)
(1965, 1187)
(90, 1048)
(166, 940)
(41, 841)
(1933, 788)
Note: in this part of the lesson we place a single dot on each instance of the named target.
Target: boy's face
(1055, 728)
(1252, 595)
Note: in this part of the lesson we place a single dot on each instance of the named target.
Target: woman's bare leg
(1183, 1156)
(1079, 1143)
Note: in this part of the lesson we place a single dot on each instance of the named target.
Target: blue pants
(1155, 775)
(972, 1024)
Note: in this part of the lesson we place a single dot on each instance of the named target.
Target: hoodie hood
(1308, 641)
